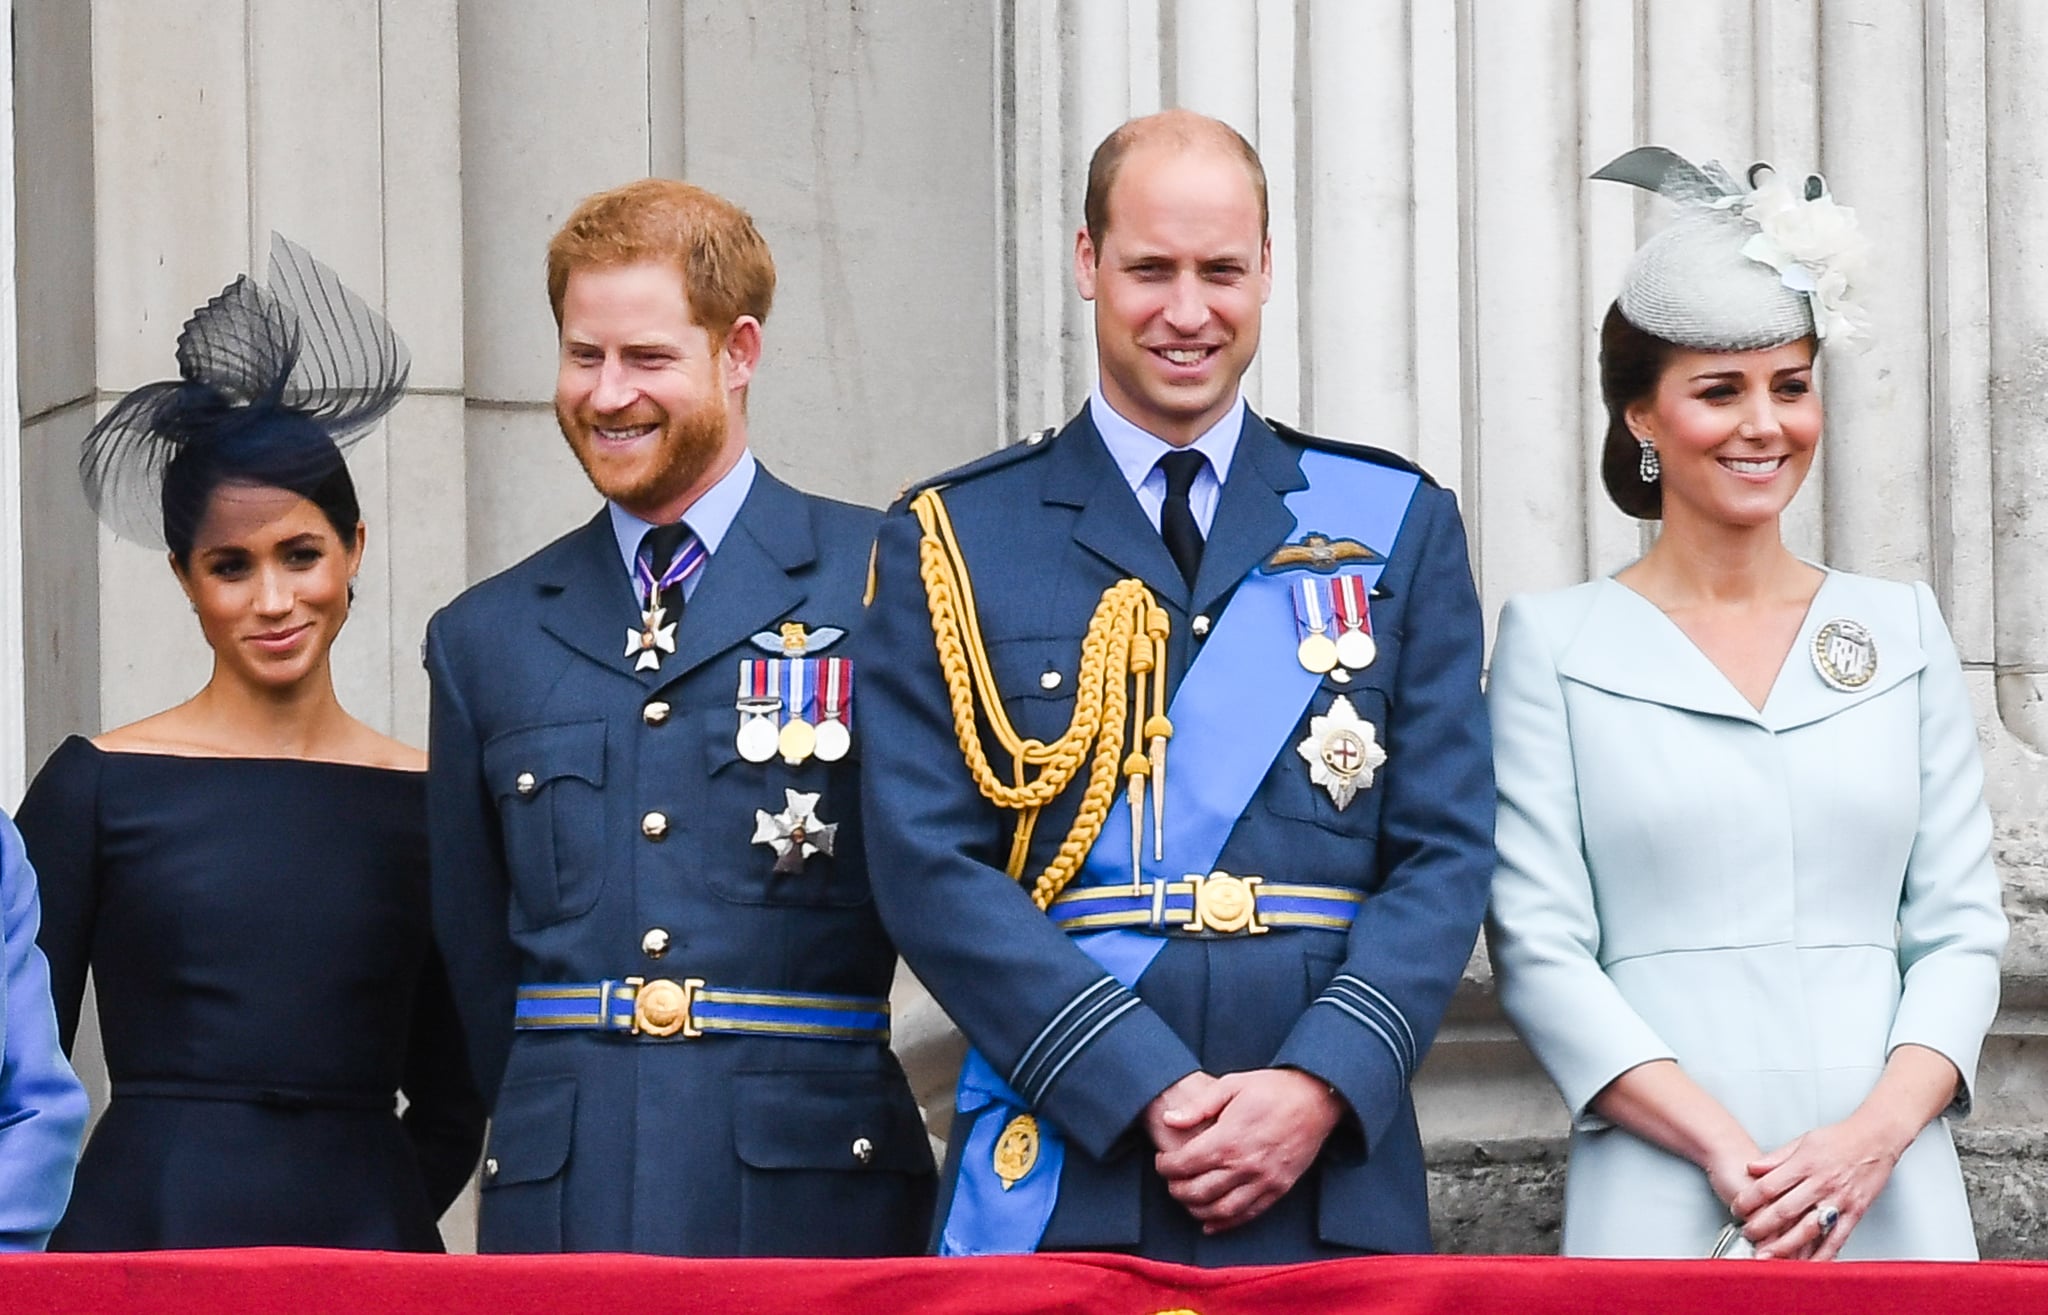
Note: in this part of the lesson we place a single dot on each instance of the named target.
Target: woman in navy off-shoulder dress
(245, 874)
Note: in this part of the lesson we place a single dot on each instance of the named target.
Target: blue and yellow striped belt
(1218, 904)
(684, 1009)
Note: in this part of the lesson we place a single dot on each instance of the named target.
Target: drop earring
(1647, 466)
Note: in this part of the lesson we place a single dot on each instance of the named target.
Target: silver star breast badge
(796, 832)
(1342, 751)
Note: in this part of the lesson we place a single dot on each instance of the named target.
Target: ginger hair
(725, 264)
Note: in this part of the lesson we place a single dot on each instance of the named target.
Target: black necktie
(1177, 523)
(661, 544)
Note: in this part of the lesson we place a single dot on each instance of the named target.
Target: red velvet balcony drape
(320, 1282)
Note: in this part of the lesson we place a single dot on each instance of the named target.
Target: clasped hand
(1230, 1147)
(1839, 1165)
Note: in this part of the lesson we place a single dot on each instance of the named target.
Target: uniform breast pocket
(1037, 679)
(777, 832)
(549, 785)
(1332, 771)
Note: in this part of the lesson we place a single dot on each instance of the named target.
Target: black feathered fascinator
(273, 384)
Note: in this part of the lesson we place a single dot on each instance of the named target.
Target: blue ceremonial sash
(985, 1219)
(1232, 714)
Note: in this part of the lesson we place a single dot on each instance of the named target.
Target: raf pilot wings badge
(1321, 554)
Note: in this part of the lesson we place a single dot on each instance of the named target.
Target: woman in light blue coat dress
(1745, 914)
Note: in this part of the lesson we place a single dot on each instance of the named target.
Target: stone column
(53, 262)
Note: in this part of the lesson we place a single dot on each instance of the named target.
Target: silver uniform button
(525, 783)
(654, 826)
(654, 713)
(863, 1150)
(1050, 680)
(1200, 627)
(655, 943)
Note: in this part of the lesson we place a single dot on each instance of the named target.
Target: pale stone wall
(917, 168)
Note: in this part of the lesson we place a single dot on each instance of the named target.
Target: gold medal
(1356, 649)
(833, 741)
(1016, 1153)
(798, 740)
(1317, 652)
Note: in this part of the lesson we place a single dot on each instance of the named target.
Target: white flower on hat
(1815, 246)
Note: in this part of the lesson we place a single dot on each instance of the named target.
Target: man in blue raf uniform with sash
(648, 871)
(1179, 795)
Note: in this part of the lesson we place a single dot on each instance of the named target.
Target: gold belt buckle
(662, 1007)
(1225, 905)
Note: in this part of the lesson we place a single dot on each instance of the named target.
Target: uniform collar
(1136, 451)
(710, 516)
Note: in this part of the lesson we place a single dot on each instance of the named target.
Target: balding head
(1174, 130)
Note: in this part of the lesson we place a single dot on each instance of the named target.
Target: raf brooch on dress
(1844, 654)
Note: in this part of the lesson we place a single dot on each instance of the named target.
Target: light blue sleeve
(1951, 926)
(42, 1105)
(1542, 924)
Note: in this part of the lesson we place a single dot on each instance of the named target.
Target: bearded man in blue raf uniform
(648, 874)
(1178, 787)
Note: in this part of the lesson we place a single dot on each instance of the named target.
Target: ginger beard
(654, 470)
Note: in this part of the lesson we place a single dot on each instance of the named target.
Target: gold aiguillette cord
(1125, 641)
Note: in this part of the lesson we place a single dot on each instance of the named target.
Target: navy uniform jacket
(1044, 530)
(718, 1145)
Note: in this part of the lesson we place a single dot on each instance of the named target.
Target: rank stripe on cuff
(1081, 1043)
(1069, 1032)
(1364, 1002)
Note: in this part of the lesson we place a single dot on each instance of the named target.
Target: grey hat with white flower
(1746, 264)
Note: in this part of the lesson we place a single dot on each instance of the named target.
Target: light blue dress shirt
(42, 1105)
(710, 516)
(1137, 452)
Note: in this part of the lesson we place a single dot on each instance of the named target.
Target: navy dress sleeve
(59, 821)
(444, 1113)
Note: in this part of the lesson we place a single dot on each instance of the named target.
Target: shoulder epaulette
(1033, 443)
(1379, 456)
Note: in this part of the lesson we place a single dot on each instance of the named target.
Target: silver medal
(1356, 649)
(833, 740)
(759, 738)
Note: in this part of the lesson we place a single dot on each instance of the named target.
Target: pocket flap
(531, 1130)
(825, 1119)
(544, 753)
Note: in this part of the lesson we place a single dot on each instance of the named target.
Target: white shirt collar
(1137, 451)
(710, 516)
